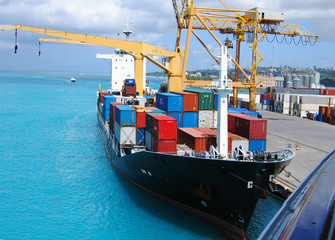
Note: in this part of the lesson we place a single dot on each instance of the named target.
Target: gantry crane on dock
(256, 23)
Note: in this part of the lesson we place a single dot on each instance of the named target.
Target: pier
(312, 141)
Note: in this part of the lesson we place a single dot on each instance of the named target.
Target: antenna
(128, 28)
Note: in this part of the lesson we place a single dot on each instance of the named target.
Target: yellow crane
(257, 23)
(138, 49)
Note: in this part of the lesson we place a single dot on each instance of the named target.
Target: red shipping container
(322, 110)
(164, 145)
(131, 90)
(251, 127)
(329, 91)
(101, 96)
(190, 101)
(164, 127)
(112, 114)
(232, 121)
(141, 118)
(192, 138)
(210, 135)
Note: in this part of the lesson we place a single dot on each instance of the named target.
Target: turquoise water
(57, 181)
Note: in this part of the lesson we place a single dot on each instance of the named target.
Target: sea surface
(56, 181)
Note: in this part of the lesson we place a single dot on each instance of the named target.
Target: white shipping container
(206, 119)
(148, 141)
(125, 135)
(315, 99)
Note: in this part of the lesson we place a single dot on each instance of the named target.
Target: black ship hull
(223, 192)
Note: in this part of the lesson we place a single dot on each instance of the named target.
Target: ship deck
(315, 141)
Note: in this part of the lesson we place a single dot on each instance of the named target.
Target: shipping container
(141, 118)
(178, 116)
(257, 145)
(125, 115)
(112, 114)
(232, 121)
(130, 90)
(329, 91)
(205, 97)
(107, 100)
(148, 140)
(125, 135)
(140, 136)
(206, 119)
(106, 114)
(190, 119)
(101, 96)
(250, 127)
(236, 142)
(210, 135)
(192, 138)
(164, 127)
(169, 102)
(168, 146)
(190, 101)
(148, 121)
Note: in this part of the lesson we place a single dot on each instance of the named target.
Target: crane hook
(15, 48)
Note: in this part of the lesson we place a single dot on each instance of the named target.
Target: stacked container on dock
(125, 124)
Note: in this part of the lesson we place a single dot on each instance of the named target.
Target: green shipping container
(206, 98)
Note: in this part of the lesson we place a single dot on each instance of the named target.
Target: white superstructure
(122, 67)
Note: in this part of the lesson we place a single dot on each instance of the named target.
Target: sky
(153, 22)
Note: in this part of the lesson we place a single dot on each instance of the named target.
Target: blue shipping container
(130, 81)
(105, 113)
(125, 115)
(320, 117)
(257, 145)
(190, 119)
(178, 116)
(169, 102)
(107, 100)
(140, 136)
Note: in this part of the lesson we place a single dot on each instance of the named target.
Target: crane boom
(139, 50)
(139, 47)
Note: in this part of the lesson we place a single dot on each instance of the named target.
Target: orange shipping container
(190, 101)
(192, 138)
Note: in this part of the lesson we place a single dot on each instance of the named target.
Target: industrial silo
(288, 81)
(312, 82)
(295, 81)
(306, 81)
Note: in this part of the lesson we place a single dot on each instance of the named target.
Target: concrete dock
(311, 140)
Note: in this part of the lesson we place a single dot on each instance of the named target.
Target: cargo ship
(169, 145)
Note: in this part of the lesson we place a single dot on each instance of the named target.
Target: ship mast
(222, 127)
